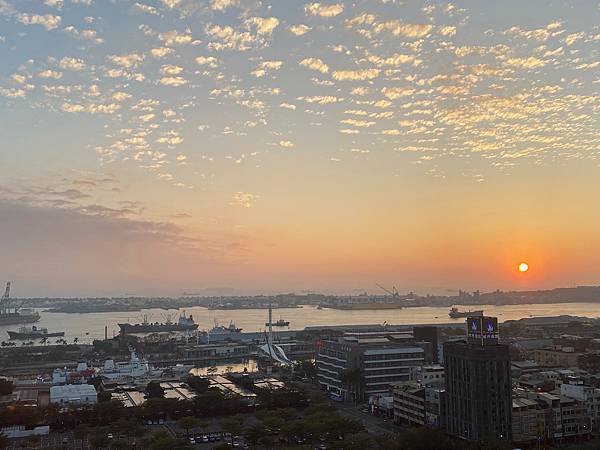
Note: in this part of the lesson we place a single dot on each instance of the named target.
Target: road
(373, 424)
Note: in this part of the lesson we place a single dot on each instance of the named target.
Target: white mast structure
(275, 352)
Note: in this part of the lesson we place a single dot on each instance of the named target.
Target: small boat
(280, 323)
(221, 329)
(33, 332)
(456, 314)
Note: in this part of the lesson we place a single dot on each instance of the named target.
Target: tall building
(378, 360)
(428, 333)
(478, 383)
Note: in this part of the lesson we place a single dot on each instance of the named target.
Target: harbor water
(87, 327)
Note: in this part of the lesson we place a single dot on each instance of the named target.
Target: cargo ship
(34, 333)
(14, 315)
(456, 314)
(185, 323)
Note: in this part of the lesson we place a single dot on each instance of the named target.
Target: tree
(6, 386)
(308, 367)
(99, 440)
(198, 384)
(354, 381)
(81, 432)
(187, 423)
(233, 425)
(119, 445)
(4, 441)
(155, 390)
(255, 434)
(360, 441)
(161, 440)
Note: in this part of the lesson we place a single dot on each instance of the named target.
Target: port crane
(394, 292)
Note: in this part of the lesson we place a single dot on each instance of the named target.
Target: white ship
(135, 368)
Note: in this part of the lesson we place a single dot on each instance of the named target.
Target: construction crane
(4, 301)
(6, 292)
(394, 292)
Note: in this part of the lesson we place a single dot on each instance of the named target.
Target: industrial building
(78, 394)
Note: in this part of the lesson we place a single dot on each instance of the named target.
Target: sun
(523, 267)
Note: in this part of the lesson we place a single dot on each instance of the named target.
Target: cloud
(120, 96)
(355, 75)
(244, 199)
(574, 37)
(209, 61)
(530, 62)
(128, 251)
(173, 81)
(58, 4)
(315, 64)
(160, 52)
(12, 93)
(266, 67)
(222, 5)
(367, 25)
(48, 21)
(393, 93)
(398, 28)
(264, 25)
(322, 10)
(50, 74)
(320, 99)
(286, 144)
(68, 63)
(127, 61)
(287, 106)
(90, 108)
(357, 123)
(170, 3)
(173, 37)
(256, 34)
(299, 30)
(447, 30)
(145, 8)
(88, 35)
(170, 69)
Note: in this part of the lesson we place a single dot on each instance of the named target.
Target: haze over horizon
(157, 147)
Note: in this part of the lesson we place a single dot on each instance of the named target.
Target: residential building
(589, 397)
(575, 421)
(556, 356)
(478, 383)
(527, 420)
(430, 374)
(409, 403)
(419, 404)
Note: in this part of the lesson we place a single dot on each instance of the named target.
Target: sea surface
(87, 327)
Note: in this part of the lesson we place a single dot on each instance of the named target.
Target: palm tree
(354, 381)
(188, 423)
(75, 340)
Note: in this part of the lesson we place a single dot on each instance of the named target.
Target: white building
(81, 394)
(589, 396)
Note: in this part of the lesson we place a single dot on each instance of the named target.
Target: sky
(252, 146)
